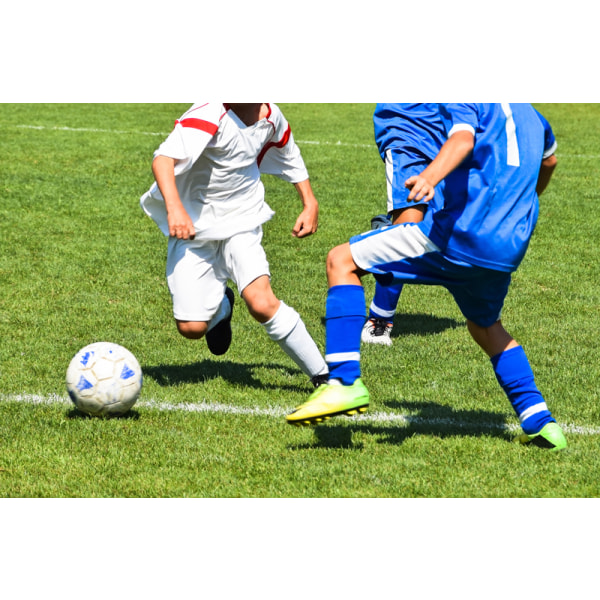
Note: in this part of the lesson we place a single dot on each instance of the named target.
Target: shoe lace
(379, 327)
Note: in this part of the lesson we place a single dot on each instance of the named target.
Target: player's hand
(180, 225)
(420, 188)
(306, 224)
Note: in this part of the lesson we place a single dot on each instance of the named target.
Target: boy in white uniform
(209, 199)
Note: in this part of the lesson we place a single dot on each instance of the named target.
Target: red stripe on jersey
(280, 144)
(200, 124)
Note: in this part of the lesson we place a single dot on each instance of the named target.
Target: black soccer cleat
(318, 380)
(218, 339)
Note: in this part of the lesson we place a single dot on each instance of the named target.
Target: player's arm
(549, 157)
(456, 149)
(546, 171)
(180, 223)
(308, 220)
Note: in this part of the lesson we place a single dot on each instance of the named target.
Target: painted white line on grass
(156, 133)
(89, 130)
(301, 142)
(279, 412)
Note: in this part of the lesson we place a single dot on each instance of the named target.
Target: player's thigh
(399, 166)
(196, 279)
(245, 258)
(398, 248)
(481, 296)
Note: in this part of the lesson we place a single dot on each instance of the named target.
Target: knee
(192, 330)
(493, 339)
(340, 264)
(262, 307)
(261, 301)
(335, 259)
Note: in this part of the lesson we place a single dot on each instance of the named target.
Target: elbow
(550, 162)
(162, 164)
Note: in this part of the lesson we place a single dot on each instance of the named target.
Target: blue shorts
(404, 254)
(399, 166)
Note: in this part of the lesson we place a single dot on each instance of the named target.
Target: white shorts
(198, 270)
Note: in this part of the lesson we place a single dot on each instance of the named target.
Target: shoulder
(213, 111)
(276, 117)
(204, 116)
(275, 113)
(281, 128)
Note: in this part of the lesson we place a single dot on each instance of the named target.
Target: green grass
(80, 262)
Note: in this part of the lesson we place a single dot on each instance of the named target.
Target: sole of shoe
(311, 421)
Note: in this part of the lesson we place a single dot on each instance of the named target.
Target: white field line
(280, 412)
(301, 142)
(89, 130)
(163, 134)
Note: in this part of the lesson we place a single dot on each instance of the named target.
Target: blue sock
(344, 319)
(515, 376)
(385, 301)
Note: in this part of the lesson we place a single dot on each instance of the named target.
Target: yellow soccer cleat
(330, 400)
(550, 437)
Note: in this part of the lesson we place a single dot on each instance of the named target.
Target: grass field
(80, 262)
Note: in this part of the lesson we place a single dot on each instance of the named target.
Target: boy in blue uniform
(492, 166)
(408, 137)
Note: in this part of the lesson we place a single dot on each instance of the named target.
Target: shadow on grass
(420, 418)
(420, 324)
(131, 415)
(233, 372)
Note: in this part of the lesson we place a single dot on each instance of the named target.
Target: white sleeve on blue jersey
(459, 117)
(549, 139)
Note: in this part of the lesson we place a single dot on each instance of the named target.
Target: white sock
(222, 313)
(288, 330)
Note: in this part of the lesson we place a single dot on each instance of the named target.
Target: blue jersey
(416, 129)
(490, 201)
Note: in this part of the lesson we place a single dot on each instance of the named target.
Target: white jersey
(219, 161)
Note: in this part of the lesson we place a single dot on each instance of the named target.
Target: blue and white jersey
(414, 128)
(491, 204)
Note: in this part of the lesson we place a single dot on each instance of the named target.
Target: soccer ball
(104, 379)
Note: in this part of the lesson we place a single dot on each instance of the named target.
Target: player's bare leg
(344, 393)
(192, 330)
(285, 327)
(515, 376)
(217, 330)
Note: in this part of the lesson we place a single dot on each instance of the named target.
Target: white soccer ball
(104, 379)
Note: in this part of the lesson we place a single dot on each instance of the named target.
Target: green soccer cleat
(550, 436)
(329, 400)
